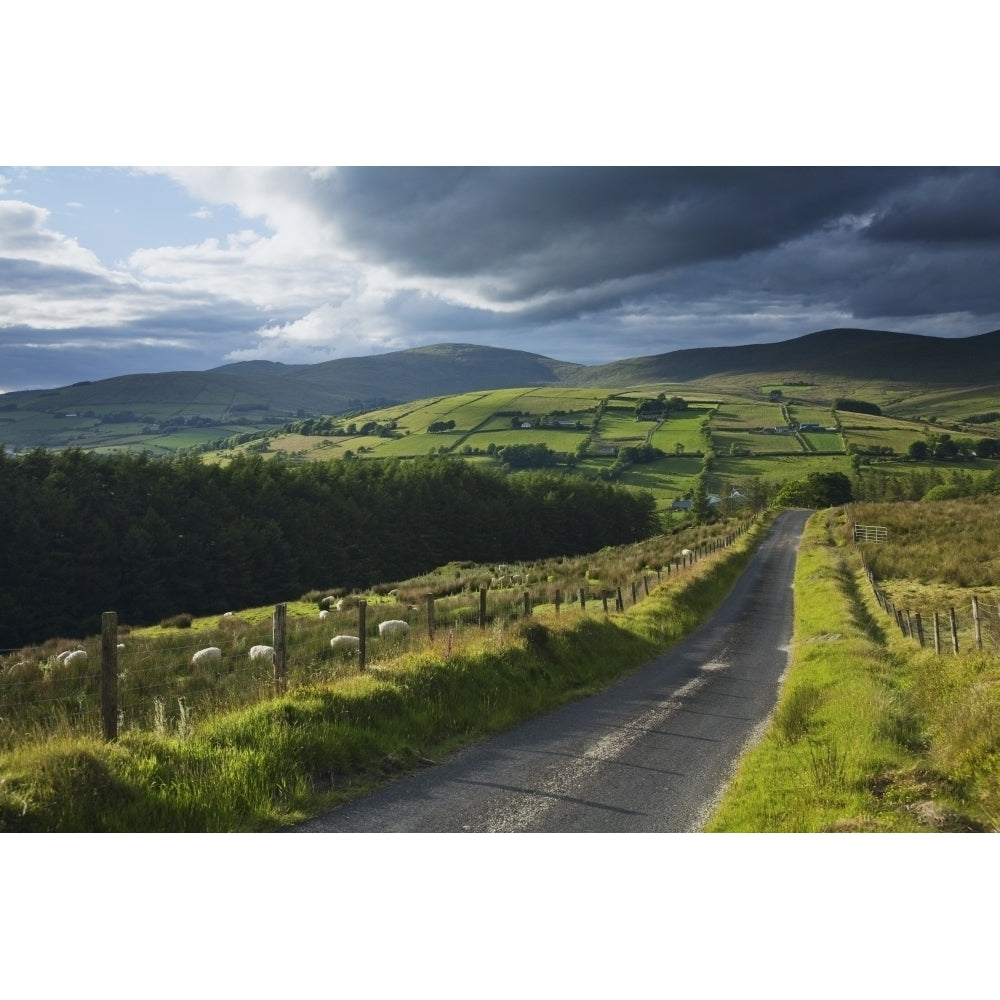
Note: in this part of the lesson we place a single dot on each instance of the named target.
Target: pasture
(737, 416)
(822, 440)
(618, 425)
(800, 413)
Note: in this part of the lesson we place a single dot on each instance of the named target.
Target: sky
(591, 189)
(114, 270)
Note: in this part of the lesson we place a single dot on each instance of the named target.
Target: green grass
(276, 763)
(857, 741)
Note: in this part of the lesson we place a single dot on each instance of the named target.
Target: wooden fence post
(937, 634)
(558, 599)
(645, 583)
(954, 632)
(920, 628)
(482, 607)
(583, 599)
(527, 604)
(109, 674)
(604, 600)
(362, 633)
(977, 622)
(634, 598)
(278, 640)
(619, 600)
(430, 615)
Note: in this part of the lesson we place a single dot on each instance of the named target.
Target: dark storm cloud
(526, 232)
(955, 206)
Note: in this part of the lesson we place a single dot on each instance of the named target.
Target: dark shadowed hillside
(875, 354)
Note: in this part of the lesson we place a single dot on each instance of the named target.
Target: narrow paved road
(652, 753)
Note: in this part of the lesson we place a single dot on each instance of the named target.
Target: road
(651, 753)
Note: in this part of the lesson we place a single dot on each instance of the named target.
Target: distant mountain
(259, 393)
(842, 353)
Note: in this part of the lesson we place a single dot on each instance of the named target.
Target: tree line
(82, 533)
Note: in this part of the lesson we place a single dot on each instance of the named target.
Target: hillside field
(753, 438)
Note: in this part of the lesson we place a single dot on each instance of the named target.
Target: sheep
(324, 614)
(262, 653)
(74, 656)
(338, 605)
(345, 643)
(686, 552)
(211, 654)
(393, 627)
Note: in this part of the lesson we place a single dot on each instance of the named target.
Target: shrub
(178, 621)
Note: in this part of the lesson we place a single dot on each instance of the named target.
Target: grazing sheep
(324, 614)
(74, 656)
(345, 643)
(211, 654)
(339, 605)
(686, 552)
(262, 653)
(393, 627)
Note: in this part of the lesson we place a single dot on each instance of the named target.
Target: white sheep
(339, 605)
(686, 552)
(211, 654)
(393, 627)
(324, 614)
(73, 656)
(262, 653)
(345, 643)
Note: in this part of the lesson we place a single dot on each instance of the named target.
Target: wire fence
(976, 626)
(161, 683)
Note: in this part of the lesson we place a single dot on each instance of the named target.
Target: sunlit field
(681, 428)
(822, 441)
(866, 431)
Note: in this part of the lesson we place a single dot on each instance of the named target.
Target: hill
(137, 411)
(836, 353)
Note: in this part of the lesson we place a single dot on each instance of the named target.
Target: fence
(870, 533)
(135, 679)
(979, 627)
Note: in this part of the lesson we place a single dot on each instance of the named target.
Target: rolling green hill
(905, 375)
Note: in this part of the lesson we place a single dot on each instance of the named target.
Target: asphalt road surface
(651, 753)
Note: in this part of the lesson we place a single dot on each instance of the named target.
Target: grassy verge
(870, 733)
(296, 755)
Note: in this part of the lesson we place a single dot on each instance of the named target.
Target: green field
(681, 432)
(596, 423)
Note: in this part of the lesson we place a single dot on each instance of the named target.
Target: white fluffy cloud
(24, 236)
